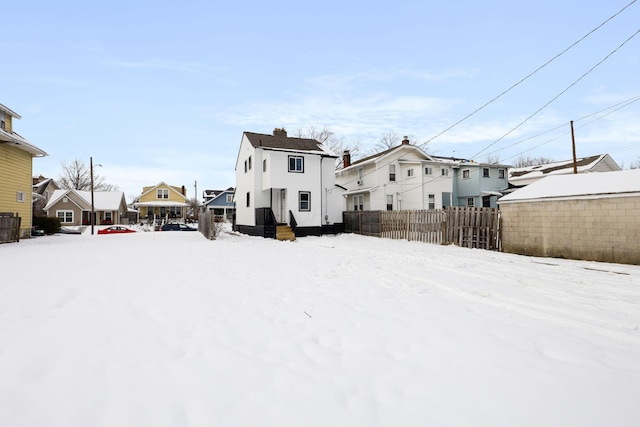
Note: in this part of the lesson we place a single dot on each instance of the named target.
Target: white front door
(283, 206)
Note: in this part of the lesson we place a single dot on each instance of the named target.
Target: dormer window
(2, 125)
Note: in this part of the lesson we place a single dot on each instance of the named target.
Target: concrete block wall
(605, 229)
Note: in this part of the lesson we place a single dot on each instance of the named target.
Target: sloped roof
(583, 164)
(286, 143)
(102, 200)
(381, 154)
(579, 185)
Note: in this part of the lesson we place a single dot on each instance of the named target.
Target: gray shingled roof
(285, 142)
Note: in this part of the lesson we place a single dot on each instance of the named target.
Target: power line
(530, 74)
(559, 94)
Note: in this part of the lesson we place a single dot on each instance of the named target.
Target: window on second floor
(485, 173)
(296, 164)
(392, 173)
(249, 159)
(229, 198)
(264, 165)
(445, 171)
(428, 170)
(501, 173)
(409, 173)
(162, 193)
(20, 197)
(466, 174)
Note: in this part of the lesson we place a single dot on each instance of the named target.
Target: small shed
(593, 216)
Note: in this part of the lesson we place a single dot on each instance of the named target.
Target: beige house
(73, 207)
(584, 216)
(162, 202)
(16, 154)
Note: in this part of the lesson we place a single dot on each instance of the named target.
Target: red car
(116, 229)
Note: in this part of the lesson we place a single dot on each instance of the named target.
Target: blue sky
(162, 91)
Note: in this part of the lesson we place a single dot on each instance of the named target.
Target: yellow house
(16, 182)
(162, 202)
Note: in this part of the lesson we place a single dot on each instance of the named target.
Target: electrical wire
(559, 94)
(529, 75)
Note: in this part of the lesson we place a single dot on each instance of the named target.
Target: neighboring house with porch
(520, 177)
(16, 166)
(285, 181)
(74, 207)
(220, 202)
(590, 216)
(479, 184)
(400, 178)
(43, 189)
(162, 202)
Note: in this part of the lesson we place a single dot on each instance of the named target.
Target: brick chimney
(346, 159)
(280, 132)
(184, 191)
(405, 140)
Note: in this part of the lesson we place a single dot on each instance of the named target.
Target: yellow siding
(15, 176)
(151, 196)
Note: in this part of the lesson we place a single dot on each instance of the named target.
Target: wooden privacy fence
(463, 226)
(9, 227)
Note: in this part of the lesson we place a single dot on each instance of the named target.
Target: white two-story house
(400, 178)
(285, 181)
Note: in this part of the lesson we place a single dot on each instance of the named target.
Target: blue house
(479, 184)
(220, 202)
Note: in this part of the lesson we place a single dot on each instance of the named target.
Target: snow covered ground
(170, 329)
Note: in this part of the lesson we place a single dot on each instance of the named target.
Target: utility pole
(573, 145)
(93, 210)
(195, 199)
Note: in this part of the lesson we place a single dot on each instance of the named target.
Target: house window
(445, 172)
(245, 166)
(20, 196)
(249, 162)
(471, 202)
(229, 198)
(485, 172)
(432, 201)
(296, 164)
(486, 201)
(264, 165)
(2, 125)
(501, 173)
(248, 199)
(389, 202)
(392, 173)
(409, 172)
(466, 174)
(304, 201)
(162, 193)
(108, 216)
(428, 171)
(358, 202)
(66, 217)
(360, 173)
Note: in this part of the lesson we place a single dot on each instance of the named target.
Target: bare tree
(525, 161)
(387, 140)
(492, 159)
(77, 176)
(635, 164)
(329, 139)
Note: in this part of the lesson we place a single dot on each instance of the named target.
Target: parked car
(175, 226)
(116, 229)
